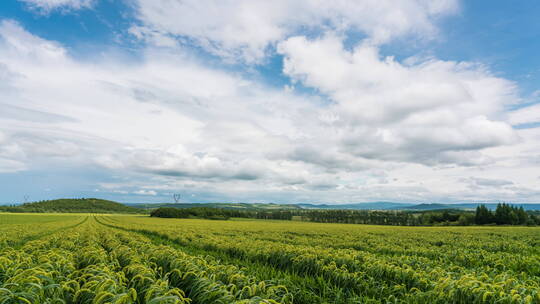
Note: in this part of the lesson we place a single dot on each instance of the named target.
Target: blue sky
(288, 101)
(501, 34)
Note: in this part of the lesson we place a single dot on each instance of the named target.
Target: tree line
(219, 213)
(197, 212)
(504, 215)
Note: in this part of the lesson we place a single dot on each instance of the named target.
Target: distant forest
(504, 214)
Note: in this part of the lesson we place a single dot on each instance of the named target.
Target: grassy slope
(84, 205)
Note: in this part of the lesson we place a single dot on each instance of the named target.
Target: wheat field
(92, 258)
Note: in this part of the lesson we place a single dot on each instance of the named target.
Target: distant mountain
(236, 206)
(412, 207)
(353, 206)
(359, 206)
(271, 206)
(465, 206)
(68, 205)
(424, 207)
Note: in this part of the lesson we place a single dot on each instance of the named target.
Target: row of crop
(133, 279)
(204, 279)
(71, 267)
(300, 288)
(453, 251)
(14, 235)
(482, 249)
(378, 281)
(93, 264)
(380, 276)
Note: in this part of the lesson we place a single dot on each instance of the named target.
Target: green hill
(69, 205)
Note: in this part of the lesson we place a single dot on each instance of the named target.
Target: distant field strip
(137, 259)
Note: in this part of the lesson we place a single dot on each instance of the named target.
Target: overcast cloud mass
(260, 101)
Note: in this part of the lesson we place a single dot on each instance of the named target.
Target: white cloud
(46, 6)
(525, 115)
(8, 156)
(145, 192)
(415, 130)
(178, 162)
(247, 28)
(422, 111)
(9, 165)
(166, 115)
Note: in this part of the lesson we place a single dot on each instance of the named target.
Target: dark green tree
(483, 216)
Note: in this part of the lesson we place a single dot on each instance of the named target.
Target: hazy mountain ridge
(465, 206)
(93, 205)
(359, 206)
(246, 206)
(352, 206)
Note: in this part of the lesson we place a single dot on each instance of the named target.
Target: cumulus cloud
(145, 192)
(376, 128)
(247, 28)
(8, 156)
(177, 162)
(525, 115)
(178, 120)
(419, 110)
(46, 6)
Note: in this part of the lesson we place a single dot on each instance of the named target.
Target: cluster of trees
(197, 212)
(219, 213)
(272, 215)
(504, 215)
(398, 218)
(395, 218)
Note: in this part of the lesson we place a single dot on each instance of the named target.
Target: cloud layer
(47, 6)
(419, 111)
(247, 29)
(352, 125)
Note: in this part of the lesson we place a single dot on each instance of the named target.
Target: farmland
(90, 258)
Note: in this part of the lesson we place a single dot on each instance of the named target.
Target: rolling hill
(68, 205)
(94, 205)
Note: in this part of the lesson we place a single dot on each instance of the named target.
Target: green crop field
(85, 258)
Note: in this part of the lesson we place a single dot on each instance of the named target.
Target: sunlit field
(84, 258)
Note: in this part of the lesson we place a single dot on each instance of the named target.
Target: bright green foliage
(72, 205)
(360, 263)
(94, 264)
(136, 259)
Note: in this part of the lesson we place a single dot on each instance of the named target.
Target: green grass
(25, 218)
(258, 261)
